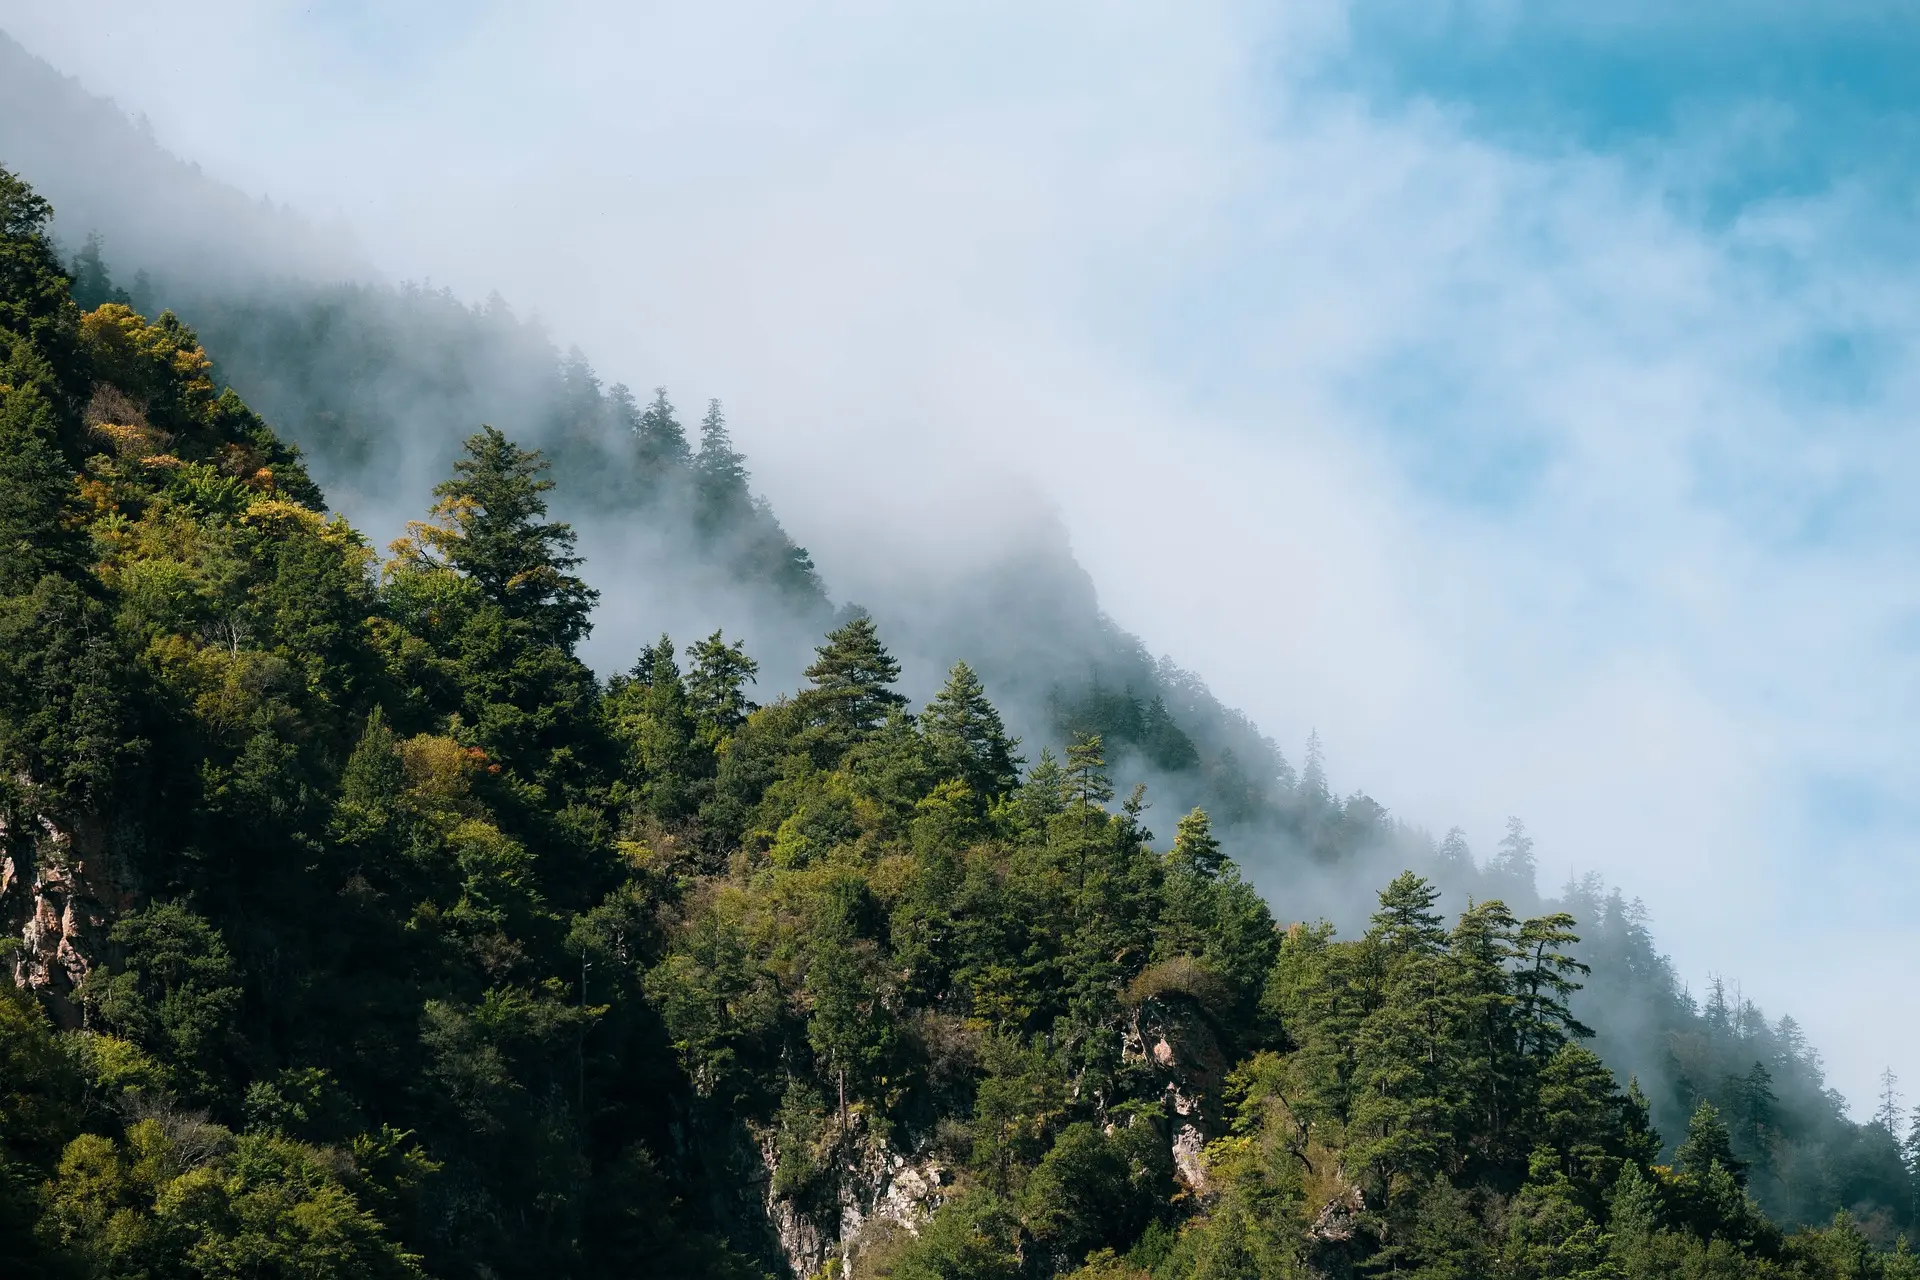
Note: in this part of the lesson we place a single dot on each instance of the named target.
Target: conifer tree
(92, 286)
(967, 739)
(1543, 984)
(649, 713)
(719, 474)
(853, 677)
(1708, 1144)
(1313, 776)
(1513, 864)
(1887, 1114)
(660, 444)
(38, 532)
(1087, 783)
(1042, 796)
(717, 683)
(488, 527)
(35, 304)
(1195, 848)
(1406, 922)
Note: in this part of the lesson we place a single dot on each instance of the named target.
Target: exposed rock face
(872, 1194)
(61, 889)
(1338, 1218)
(1173, 1036)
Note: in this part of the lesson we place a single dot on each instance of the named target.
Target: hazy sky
(1523, 397)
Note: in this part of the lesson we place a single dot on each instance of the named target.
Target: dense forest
(359, 927)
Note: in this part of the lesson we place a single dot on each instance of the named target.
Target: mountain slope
(364, 931)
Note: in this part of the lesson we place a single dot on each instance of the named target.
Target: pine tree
(1041, 797)
(717, 683)
(35, 302)
(1543, 984)
(1195, 849)
(1708, 1144)
(968, 741)
(1086, 788)
(92, 286)
(1163, 741)
(1753, 1102)
(370, 785)
(660, 444)
(648, 712)
(1513, 865)
(39, 531)
(1406, 922)
(1635, 1217)
(853, 677)
(1313, 778)
(1887, 1114)
(1087, 783)
(719, 475)
(488, 526)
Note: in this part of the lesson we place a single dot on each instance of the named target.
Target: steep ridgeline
(358, 929)
(380, 385)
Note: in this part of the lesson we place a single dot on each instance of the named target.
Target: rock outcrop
(868, 1194)
(61, 889)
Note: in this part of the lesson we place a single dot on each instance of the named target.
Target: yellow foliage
(116, 1067)
(132, 442)
(138, 357)
(226, 684)
(439, 774)
(283, 516)
(1104, 1265)
(429, 542)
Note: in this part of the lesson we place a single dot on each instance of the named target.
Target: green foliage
(853, 677)
(489, 530)
(716, 686)
(67, 723)
(174, 994)
(184, 1197)
(1707, 1145)
(966, 739)
(972, 1238)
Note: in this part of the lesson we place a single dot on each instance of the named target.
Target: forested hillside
(360, 928)
(379, 385)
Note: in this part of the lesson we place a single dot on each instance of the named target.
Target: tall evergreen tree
(488, 526)
(660, 443)
(1513, 863)
(35, 304)
(1406, 922)
(853, 677)
(1708, 1144)
(650, 715)
(1313, 777)
(92, 285)
(1195, 848)
(1086, 782)
(717, 684)
(719, 475)
(968, 741)
(40, 532)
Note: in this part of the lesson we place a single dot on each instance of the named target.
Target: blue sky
(1523, 395)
